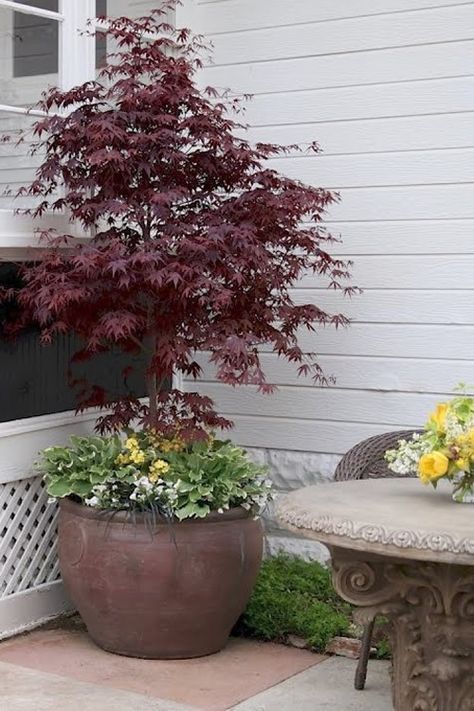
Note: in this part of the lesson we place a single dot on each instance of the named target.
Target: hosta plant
(152, 474)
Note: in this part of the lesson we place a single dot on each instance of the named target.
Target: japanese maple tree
(195, 240)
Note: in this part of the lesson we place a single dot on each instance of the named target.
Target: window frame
(31, 25)
(76, 64)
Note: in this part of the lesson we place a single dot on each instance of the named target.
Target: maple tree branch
(151, 375)
(139, 343)
(152, 396)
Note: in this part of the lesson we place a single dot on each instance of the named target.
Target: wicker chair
(366, 461)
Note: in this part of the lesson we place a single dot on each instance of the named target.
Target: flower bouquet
(444, 450)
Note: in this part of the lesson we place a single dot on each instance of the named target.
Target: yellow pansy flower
(160, 466)
(176, 444)
(432, 466)
(157, 469)
(122, 459)
(438, 417)
(137, 456)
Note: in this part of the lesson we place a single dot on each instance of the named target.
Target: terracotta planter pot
(174, 592)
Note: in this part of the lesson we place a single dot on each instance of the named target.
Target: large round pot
(166, 591)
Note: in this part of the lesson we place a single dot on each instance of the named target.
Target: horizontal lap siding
(405, 374)
(387, 89)
(433, 25)
(380, 305)
(235, 15)
(430, 96)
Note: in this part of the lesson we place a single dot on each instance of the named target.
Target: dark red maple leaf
(197, 240)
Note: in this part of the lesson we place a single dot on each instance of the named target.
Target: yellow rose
(432, 466)
(438, 417)
(462, 464)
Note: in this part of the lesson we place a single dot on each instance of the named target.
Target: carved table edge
(387, 540)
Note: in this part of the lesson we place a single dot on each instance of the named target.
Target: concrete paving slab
(215, 683)
(29, 690)
(328, 685)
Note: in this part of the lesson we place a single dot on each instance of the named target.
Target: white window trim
(76, 46)
(19, 233)
(20, 110)
(28, 10)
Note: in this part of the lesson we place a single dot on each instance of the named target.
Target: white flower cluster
(455, 428)
(104, 496)
(165, 492)
(111, 495)
(404, 460)
(145, 490)
(259, 502)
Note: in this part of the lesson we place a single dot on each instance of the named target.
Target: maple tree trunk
(151, 375)
(152, 395)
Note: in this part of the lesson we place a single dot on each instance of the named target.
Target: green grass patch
(295, 597)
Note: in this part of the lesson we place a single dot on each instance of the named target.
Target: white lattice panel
(28, 557)
(31, 590)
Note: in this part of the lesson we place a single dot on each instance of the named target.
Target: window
(32, 40)
(43, 43)
(35, 41)
(100, 42)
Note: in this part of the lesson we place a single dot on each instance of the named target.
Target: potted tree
(195, 243)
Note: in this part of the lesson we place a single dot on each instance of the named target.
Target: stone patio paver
(29, 690)
(324, 686)
(327, 686)
(215, 683)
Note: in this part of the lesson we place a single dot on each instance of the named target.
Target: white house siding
(387, 88)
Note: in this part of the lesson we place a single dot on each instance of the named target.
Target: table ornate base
(431, 607)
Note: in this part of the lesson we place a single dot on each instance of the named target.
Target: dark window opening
(34, 379)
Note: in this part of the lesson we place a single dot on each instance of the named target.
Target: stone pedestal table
(407, 552)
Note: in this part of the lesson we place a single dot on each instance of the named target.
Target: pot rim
(123, 517)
